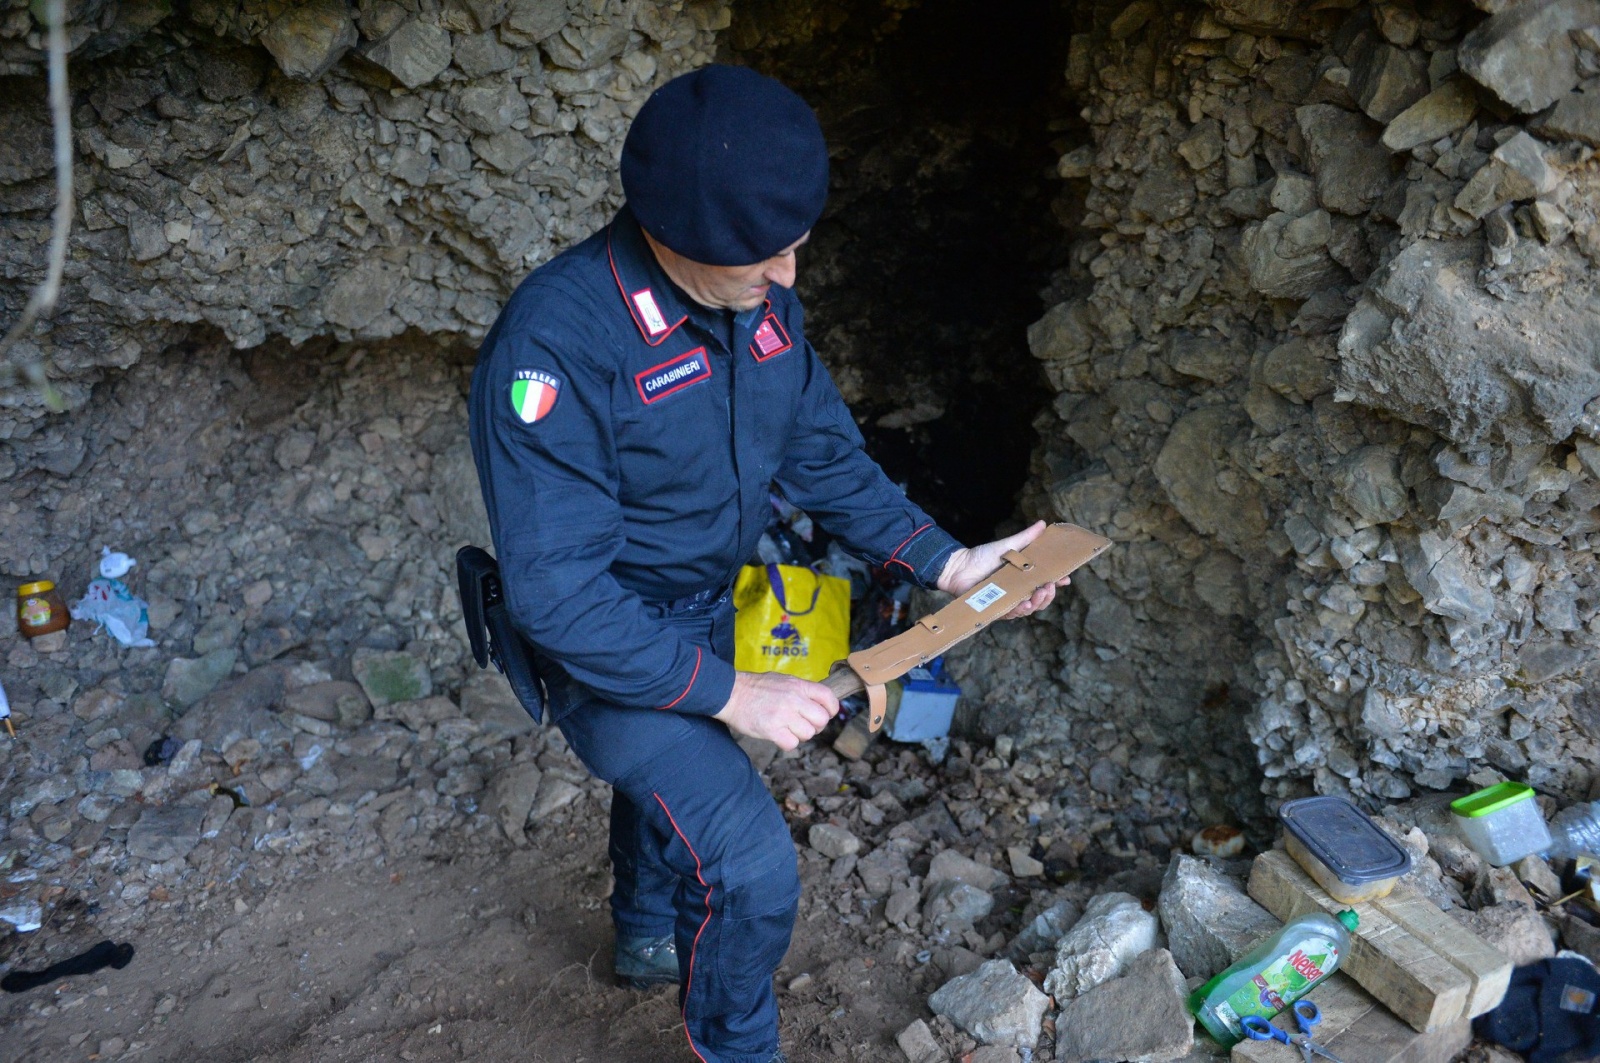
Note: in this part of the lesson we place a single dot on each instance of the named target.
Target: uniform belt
(700, 602)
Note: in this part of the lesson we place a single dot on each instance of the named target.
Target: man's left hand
(968, 566)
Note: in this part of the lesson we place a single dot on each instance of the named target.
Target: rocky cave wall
(1319, 343)
(314, 169)
(1324, 360)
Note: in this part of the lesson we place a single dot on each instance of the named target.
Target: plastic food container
(1342, 848)
(1502, 823)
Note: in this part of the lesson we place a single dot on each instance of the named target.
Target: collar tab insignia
(770, 339)
(645, 300)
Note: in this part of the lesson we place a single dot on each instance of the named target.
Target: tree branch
(43, 300)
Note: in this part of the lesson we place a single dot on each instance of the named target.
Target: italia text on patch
(534, 394)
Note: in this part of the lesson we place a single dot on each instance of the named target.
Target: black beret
(725, 166)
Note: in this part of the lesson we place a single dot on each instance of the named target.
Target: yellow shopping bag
(791, 620)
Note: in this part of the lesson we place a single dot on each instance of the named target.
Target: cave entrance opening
(944, 123)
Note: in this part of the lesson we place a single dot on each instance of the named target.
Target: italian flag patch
(534, 394)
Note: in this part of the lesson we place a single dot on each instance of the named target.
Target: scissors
(1306, 1015)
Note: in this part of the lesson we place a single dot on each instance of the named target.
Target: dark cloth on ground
(1550, 1013)
(105, 954)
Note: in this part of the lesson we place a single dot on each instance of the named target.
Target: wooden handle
(843, 681)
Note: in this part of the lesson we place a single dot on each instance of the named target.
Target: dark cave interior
(925, 271)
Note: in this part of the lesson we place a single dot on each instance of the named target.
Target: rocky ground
(425, 878)
(294, 516)
(329, 836)
(1342, 564)
(401, 921)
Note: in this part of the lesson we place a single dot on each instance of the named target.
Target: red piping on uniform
(893, 560)
(689, 985)
(633, 311)
(692, 678)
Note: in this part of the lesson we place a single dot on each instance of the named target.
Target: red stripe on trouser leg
(689, 985)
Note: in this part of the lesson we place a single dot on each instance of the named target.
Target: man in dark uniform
(631, 409)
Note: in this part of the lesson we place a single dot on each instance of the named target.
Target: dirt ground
(482, 952)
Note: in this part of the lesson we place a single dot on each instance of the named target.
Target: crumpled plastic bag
(108, 602)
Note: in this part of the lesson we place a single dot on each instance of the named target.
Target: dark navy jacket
(625, 448)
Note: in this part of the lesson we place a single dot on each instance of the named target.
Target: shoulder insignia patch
(662, 380)
(770, 339)
(534, 394)
(645, 300)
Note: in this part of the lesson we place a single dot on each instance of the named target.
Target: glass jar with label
(40, 609)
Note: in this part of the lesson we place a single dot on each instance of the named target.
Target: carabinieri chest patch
(534, 394)
(770, 340)
(659, 381)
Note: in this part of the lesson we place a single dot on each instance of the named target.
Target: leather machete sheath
(1056, 554)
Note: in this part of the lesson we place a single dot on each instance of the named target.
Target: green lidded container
(1502, 823)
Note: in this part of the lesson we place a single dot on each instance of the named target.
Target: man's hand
(779, 708)
(967, 567)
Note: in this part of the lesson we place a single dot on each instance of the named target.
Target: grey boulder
(995, 1004)
(415, 54)
(1209, 920)
(1114, 929)
(309, 38)
(1525, 54)
(1138, 1018)
(1428, 344)
(190, 679)
(1441, 112)
(166, 833)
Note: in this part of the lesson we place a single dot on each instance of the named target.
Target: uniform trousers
(699, 848)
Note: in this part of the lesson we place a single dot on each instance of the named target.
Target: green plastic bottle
(1273, 975)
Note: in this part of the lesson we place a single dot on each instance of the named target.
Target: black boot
(644, 962)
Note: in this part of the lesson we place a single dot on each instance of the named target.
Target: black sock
(104, 954)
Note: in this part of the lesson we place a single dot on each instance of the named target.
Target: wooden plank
(853, 741)
(1405, 975)
(1358, 1029)
(1381, 1036)
(1343, 1004)
(1485, 966)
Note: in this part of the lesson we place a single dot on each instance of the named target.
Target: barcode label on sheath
(986, 597)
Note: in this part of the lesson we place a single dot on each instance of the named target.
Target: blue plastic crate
(927, 705)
